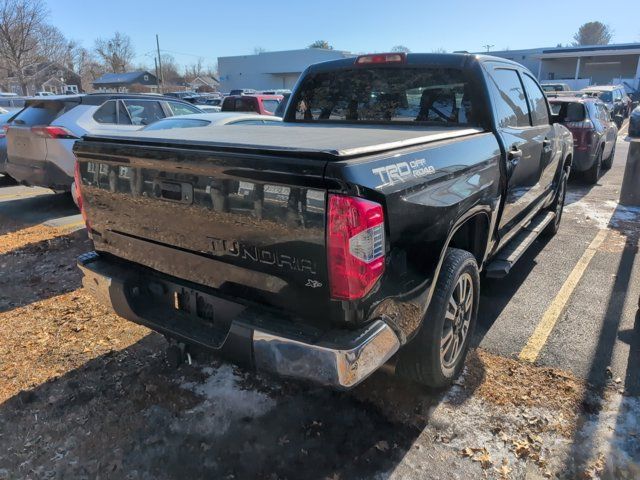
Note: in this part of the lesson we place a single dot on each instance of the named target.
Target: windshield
(605, 97)
(382, 95)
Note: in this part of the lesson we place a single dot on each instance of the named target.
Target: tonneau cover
(317, 140)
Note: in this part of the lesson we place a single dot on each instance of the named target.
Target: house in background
(138, 82)
(204, 83)
(45, 77)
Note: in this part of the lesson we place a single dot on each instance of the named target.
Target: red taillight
(52, 132)
(5, 129)
(378, 58)
(355, 246)
(582, 134)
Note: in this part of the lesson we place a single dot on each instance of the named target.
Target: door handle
(515, 154)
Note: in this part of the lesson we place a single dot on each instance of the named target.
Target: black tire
(592, 175)
(557, 206)
(608, 162)
(421, 360)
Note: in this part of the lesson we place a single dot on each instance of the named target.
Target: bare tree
(170, 71)
(438, 50)
(116, 53)
(593, 33)
(400, 49)
(258, 50)
(195, 69)
(321, 44)
(21, 23)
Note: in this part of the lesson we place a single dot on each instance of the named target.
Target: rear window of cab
(431, 95)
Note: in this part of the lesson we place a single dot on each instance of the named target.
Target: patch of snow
(614, 433)
(225, 402)
(604, 215)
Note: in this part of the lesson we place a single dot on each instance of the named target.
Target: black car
(614, 97)
(634, 122)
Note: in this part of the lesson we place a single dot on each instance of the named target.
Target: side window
(123, 115)
(106, 113)
(617, 96)
(604, 115)
(144, 112)
(537, 101)
(511, 104)
(178, 108)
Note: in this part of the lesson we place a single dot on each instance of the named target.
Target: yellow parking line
(540, 335)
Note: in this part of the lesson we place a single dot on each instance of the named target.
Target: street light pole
(160, 66)
(488, 47)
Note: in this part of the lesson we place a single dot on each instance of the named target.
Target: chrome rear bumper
(336, 358)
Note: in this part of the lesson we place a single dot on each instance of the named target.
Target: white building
(582, 66)
(271, 70)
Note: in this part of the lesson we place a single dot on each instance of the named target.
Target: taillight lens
(355, 246)
(50, 131)
(3, 132)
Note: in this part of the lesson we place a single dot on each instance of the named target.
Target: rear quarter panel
(427, 193)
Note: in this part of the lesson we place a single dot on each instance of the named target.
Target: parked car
(181, 95)
(41, 136)
(614, 97)
(393, 180)
(555, 87)
(206, 108)
(594, 133)
(5, 118)
(261, 104)
(211, 120)
(44, 94)
(634, 122)
(243, 91)
(12, 103)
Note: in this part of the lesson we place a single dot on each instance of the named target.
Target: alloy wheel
(457, 321)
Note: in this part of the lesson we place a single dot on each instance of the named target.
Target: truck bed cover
(314, 140)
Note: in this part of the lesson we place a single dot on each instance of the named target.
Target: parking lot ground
(551, 391)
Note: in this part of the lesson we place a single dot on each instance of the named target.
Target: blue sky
(211, 29)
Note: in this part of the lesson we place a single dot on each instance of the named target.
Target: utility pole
(161, 88)
(155, 61)
(488, 47)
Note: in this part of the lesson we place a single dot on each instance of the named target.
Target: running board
(501, 265)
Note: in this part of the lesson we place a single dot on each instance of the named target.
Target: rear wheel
(558, 206)
(435, 357)
(592, 175)
(608, 163)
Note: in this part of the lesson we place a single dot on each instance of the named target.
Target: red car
(594, 133)
(262, 104)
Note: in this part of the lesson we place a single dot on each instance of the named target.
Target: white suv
(40, 138)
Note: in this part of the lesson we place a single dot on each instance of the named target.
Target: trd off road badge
(402, 172)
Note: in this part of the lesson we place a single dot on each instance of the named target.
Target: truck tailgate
(250, 226)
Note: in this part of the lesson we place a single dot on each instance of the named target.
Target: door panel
(527, 148)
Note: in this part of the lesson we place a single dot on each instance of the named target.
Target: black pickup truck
(354, 231)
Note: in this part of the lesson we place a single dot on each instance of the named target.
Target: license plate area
(188, 312)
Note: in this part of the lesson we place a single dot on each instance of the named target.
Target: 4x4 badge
(313, 283)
